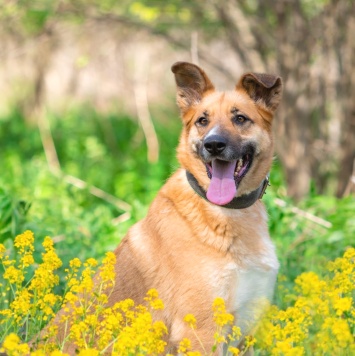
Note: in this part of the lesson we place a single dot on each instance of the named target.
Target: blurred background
(89, 125)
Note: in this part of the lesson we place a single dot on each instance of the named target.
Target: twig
(304, 214)
(350, 187)
(97, 192)
(122, 218)
(140, 94)
(47, 142)
(55, 168)
(194, 47)
(206, 56)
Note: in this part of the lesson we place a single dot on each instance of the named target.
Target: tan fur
(190, 250)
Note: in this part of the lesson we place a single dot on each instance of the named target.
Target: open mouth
(242, 166)
(225, 177)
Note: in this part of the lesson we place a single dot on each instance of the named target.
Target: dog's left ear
(262, 88)
(192, 84)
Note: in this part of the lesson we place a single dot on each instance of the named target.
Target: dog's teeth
(237, 170)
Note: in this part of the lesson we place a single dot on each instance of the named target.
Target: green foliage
(303, 242)
(106, 152)
(32, 18)
(12, 215)
(109, 152)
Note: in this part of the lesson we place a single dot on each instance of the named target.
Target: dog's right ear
(192, 84)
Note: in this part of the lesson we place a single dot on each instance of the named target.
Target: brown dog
(206, 235)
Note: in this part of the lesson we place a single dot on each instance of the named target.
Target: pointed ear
(262, 88)
(192, 84)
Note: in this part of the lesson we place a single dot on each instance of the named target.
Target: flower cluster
(225, 333)
(85, 319)
(319, 318)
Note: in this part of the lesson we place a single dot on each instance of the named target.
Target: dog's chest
(251, 287)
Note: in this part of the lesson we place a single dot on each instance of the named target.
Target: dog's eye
(240, 119)
(202, 121)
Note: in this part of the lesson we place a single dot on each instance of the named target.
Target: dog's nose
(215, 144)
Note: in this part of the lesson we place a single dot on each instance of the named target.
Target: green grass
(110, 153)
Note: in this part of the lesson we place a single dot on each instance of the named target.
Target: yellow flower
(249, 341)
(2, 250)
(107, 270)
(75, 263)
(319, 316)
(90, 262)
(185, 345)
(27, 260)
(21, 304)
(125, 305)
(220, 316)
(25, 241)
(349, 253)
(12, 345)
(309, 284)
(14, 275)
(70, 298)
(47, 243)
(235, 334)
(234, 350)
(342, 305)
(191, 320)
(153, 300)
(219, 338)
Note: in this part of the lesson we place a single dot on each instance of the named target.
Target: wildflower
(235, 334)
(349, 254)
(249, 341)
(27, 260)
(153, 300)
(24, 241)
(14, 275)
(234, 350)
(219, 338)
(12, 345)
(21, 305)
(2, 250)
(91, 262)
(141, 333)
(191, 320)
(107, 270)
(184, 346)
(220, 316)
(75, 263)
(319, 317)
(342, 305)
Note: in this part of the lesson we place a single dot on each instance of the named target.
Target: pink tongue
(222, 188)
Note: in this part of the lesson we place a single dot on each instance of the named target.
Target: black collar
(241, 202)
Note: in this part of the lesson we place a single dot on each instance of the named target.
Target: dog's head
(226, 142)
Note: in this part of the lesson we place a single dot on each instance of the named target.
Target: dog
(205, 234)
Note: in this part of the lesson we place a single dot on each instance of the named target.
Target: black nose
(215, 144)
